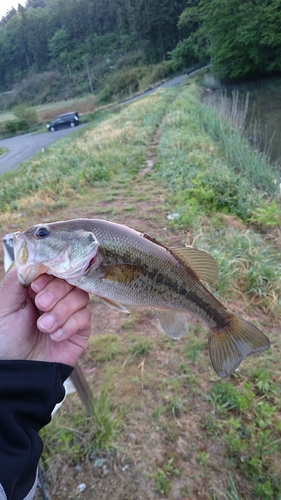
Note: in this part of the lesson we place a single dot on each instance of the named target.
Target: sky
(8, 4)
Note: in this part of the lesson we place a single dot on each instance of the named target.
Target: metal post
(89, 76)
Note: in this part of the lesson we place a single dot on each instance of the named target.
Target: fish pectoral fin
(230, 345)
(121, 273)
(173, 323)
(200, 261)
(114, 305)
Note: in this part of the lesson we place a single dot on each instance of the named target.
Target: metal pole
(89, 77)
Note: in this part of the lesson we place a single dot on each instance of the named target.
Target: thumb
(12, 294)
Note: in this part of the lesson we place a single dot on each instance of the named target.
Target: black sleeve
(29, 390)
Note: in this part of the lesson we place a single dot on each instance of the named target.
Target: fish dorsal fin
(173, 323)
(114, 305)
(121, 273)
(200, 261)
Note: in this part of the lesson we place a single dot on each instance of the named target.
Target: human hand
(48, 321)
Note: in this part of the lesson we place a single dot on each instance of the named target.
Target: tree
(244, 36)
(37, 43)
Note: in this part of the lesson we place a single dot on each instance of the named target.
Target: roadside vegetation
(163, 425)
(23, 118)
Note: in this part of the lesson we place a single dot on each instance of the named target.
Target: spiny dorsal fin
(200, 261)
(173, 323)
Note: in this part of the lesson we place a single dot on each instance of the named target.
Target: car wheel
(72, 124)
(52, 129)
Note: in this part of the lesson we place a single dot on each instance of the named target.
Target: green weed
(163, 477)
(104, 347)
(267, 215)
(141, 347)
(3, 150)
(226, 398)
(230, 493)
(104, 420)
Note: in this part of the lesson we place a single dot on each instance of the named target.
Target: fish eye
(42, 232)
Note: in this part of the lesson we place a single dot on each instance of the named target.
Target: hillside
(60, 49)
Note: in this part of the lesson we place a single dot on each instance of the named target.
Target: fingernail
(38, 284)
(46, 322)
(57, 335)
(45, 300)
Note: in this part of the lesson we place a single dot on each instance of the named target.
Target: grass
(160, 414)
(3, 150)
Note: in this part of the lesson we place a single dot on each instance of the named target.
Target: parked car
(67, 120)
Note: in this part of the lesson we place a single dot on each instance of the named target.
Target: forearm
(29, 390)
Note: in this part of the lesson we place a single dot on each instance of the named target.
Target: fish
(125, 268)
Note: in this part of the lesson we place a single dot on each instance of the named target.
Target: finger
(39, 284)
(53, 292)
(12, 294)
(77, 328)
(55, 318)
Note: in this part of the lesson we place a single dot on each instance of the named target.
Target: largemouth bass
(127, 268)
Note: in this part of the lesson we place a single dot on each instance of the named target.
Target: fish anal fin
(200, 261)
(121, 273)
(114, 305)
(173, 323)
(230, 345)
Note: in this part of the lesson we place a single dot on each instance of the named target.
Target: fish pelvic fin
(230, 345)
(173, 323)
(114, 305)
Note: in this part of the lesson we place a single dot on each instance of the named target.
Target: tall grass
(225, 121)
(204, 181)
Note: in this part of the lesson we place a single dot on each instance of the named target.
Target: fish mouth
(27, 269)
(91, 263)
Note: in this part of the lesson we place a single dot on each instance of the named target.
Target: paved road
(23, 147)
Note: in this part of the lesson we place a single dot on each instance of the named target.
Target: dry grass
(82, 106)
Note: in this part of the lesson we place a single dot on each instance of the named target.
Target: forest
(242, 38)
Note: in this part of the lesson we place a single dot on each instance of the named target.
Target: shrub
(13, 126)
(122, 84)
(158, 72)
(24, 113)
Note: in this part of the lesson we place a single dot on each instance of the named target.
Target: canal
(264, 113)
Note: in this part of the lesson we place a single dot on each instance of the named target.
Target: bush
(184, 53)
(26, 114)
(14, 126)
(122, 84)
(158, 72)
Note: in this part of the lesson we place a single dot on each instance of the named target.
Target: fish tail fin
(228, 346)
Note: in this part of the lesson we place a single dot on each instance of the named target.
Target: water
(265, 110)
